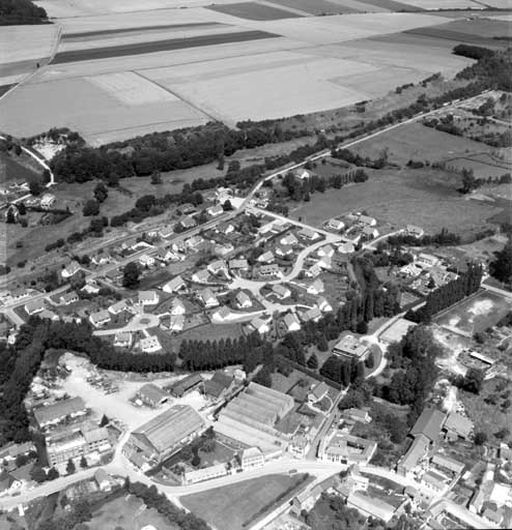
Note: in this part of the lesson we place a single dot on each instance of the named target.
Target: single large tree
(501, 267)
(131, 275)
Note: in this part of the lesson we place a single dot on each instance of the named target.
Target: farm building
(58, 411)
(164, 434)
(152, 395)
(219, 385)
(185, 385)
(258, 406)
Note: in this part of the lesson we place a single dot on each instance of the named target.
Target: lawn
(396, 198)
(128, 513)
(15, 169)
(403, 145)
(232, 507)
(476, 313)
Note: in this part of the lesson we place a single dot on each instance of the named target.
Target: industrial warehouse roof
(169, 428)
(219, 382)
(58, 410)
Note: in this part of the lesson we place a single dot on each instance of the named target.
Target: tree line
(467, 283)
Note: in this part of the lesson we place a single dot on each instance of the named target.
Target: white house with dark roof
(308, 233)
(238, 265)
(289, 240)
(314, 314)
(335, 224)
(217, 266)
(284, 250)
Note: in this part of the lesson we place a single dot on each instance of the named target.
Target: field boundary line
(175, 94)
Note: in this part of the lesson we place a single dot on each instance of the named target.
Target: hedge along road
(160, 46)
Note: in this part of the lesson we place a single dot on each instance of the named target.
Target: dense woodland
(17, 12)
(501, 266)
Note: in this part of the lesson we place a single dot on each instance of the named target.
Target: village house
(217, 266)
(308, 233)
(288, 240)
(166, 232)
(327, 250)
(270, 270)
(335, 224)
(284, 250)
(238, 265)
(46, 314)
(118, 307)
(194, 242)
(222, 313)
(70, 270)
(69, 298)
(291, 322)
(369, 233)
(123, 339)
(208, 299)
(187, 222)
(346, 247)
(281, 291)
(426, 261)
(175, 285)
(316, 287)
(414, 231)
(302, 173)
(146, 261)
(176, 323)
(148, 298)
(314, 314)
(201, 276)
(313, 271)
(243, 300)
(260, 325)
(223, 250)
(215, 211)
(318, 392)
(99, 318)
(225, 228)
(366, 220)
(35, 306)
(266, 257)
(177, 307)
(323, 304)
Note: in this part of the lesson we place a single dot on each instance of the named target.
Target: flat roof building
(351, 347)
